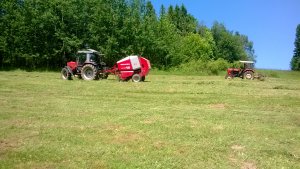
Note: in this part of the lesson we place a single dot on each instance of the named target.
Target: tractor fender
(69, 70)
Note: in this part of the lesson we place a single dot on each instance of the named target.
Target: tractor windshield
(94, 58)
(248, 66)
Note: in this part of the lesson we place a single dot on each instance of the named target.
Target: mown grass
(169, 121)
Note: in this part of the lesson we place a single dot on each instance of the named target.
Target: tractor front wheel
(248, 75)
(228, 77)
(65, 74)
(89, 72)
(136, 78)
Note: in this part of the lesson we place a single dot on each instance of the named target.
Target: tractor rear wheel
(248, 75)
(136, 78)
(65, 74)
(89, 72)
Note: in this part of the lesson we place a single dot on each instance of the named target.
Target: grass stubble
(169, 121)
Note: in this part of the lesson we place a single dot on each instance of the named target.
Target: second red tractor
(246, 71)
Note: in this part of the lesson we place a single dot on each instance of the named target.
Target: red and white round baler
(131, 67)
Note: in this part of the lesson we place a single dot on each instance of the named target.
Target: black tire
(89, 72)
(248, 75)
(136, 78)
(143, 78)
(65, 74)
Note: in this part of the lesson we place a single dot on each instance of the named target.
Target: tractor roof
(88, 51)
(246, 61)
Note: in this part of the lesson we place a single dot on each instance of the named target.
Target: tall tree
(149, 32)
(248, 46)
(184, 22)
(295, 62)
(162, 11)
(194, 47)
(167, 41)
(228, 46)
(12, 27)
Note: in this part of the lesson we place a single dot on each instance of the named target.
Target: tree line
(44, 34)
(295, 62)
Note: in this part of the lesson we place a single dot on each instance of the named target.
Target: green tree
(295, 62)
(228, 46)
(162, 11)
(12, 27)
(42, 34)
(166, 42)
(149, 33)
(195, 47)
(183, 21)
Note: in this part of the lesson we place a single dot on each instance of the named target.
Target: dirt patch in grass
(240, 163)
(127, 138)
(151, 120)
(248, 165)
(219, 106)
(35, 165)
(148, 121)
(159, 145)
(17, 122)
(12, 143)
(181, 150)
(296, 119)
(99, 164)
(9, 144)
(113, 127)
(218, 128)
(194, 123)
(237, 147)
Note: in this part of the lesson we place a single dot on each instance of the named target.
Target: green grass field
(169, 121)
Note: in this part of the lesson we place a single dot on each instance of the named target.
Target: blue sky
(270, 24)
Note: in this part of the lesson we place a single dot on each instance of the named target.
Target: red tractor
(246, 72)
(88, 66)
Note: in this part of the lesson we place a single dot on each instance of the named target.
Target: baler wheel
(248, 75)
(65, 74)
(89, 72)
(136, 78)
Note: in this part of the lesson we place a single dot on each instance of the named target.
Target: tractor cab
(88, 56)
(247, 64)
(246, 71)
(88, 65)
